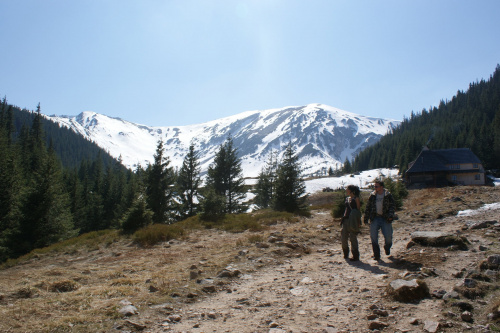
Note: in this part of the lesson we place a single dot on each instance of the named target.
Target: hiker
(351, 222)
(379, 213)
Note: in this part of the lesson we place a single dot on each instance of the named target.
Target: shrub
(157, 233)
(397, 189)
(138, 216)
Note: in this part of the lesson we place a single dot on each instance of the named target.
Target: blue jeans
(386, 227)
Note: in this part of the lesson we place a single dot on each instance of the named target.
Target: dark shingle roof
(436, 160)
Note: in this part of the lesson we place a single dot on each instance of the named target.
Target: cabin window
(454, 178)
(477, 177)
(475, 166)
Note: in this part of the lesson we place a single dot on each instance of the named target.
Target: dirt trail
(322, 292)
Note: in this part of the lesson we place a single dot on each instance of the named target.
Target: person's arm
(345, 213)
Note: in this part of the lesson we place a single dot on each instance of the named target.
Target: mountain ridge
(323, 136)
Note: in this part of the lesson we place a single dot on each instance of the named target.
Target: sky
(183, 62)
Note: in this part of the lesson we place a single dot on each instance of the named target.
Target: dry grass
(78, 286)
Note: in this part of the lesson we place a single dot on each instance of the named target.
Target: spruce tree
(290, 187)
(266, 182)
(45, 205)
(225, 178)
(188, 183)
(159, 185)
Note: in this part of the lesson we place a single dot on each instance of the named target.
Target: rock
(408, 291)
(438, 293)
(414, 321)
(174, 318)
(291, 245)
(431, 326)
(192, 295)
(274, 239)
(492, 262)
(439, 239)
(483, 248)
(468, 283)
(451, 295)
(243, 252)
(381, 313)
(479, 224)
(135, 325)
(377, 325)
(330, 330)
(228, 272)
(209, 289)
(466, 316)
(193, 275)
(128, 310)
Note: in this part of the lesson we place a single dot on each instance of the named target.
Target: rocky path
(319, 291)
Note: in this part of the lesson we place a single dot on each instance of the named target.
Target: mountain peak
(323, 136)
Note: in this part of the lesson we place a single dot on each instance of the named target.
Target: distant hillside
(470, 120)
(70, 147)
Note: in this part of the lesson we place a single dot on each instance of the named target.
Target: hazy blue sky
(180, 62)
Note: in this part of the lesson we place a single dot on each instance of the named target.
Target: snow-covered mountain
(323, 136)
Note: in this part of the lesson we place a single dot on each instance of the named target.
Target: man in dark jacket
(380, 211)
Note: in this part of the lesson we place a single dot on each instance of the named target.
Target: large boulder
(408, 291)
(492, 262)
(439, 239)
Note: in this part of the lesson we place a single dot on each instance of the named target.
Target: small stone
(431, 326)
(381, 313)
(466, 316)
(377, 325)
(128, 310)
(209, 289)
(174, 318)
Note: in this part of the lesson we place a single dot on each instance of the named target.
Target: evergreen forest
(470, 120)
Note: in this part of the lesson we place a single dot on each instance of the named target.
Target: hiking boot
(387, 251)
(354, 259)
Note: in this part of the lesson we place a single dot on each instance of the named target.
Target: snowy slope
(322, 135)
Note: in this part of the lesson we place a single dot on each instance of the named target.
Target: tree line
(43, 201)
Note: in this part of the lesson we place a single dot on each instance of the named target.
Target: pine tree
(159, 185)
(290, 187)
(188, 183)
